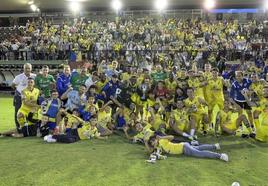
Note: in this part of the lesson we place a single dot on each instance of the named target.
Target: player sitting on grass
(180, 122)
(228, 124)
(196, 106)
(201, 151)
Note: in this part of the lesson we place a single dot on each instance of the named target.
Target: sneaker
(217, 145)
(45, 138)
(150, 161)
(252, 135)
(224, 157)
(205, 133)
(51, 140)
(194, 143)
(244, 136)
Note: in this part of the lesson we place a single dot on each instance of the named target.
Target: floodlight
(30, 2)
(266, 4)
(75, 6)
(161, 4)
(117, 5)
(209, 4)
(33, 7)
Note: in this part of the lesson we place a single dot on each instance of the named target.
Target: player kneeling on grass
(201, 151)
(29, 105)
(87, 131)
(229, 124)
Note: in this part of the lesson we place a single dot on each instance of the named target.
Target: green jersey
(77, 80)
(44, 84)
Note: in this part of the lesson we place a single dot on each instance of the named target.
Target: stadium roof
(53, 5)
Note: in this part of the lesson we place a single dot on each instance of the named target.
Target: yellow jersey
(171, 148)
(88, 132)
(195, 102)
(104, 118)
(146, 133)
(29, 95)
(215, 88)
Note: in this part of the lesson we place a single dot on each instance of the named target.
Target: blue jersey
(110, 89)
(63, 82)
(237, 88)
(53, 108)
(121, 121)
(265, 70)
(50, 107)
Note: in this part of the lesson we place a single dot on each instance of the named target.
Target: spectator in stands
(20, 83)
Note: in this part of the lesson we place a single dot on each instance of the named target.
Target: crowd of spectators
(138, 42)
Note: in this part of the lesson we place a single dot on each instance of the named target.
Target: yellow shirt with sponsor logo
(29, 95)
(88, 132)
(171, 148)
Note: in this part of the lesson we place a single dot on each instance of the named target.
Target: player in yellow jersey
(229, 123)
(257, 86)
(144, 132)
(157, 117)
(104, 125)
(214, 93)
(180, 122)
(195, 81)
(196, 106)
(171, 83)
(261, 117)
(201, 151)
(29, 105)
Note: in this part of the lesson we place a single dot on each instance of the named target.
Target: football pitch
(31, 161)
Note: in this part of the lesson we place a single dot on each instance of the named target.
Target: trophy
(143, 88)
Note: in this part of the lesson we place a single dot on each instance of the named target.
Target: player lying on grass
(166, 146)
(87, 131)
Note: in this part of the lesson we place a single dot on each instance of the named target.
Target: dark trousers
(66, 138)
(17, 105)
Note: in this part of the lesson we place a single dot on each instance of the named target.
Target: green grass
(30, 161)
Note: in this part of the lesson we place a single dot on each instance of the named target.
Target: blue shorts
(51, 125)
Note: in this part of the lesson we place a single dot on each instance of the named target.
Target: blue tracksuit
(63, 82)
(110, 89)
(236, 89)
